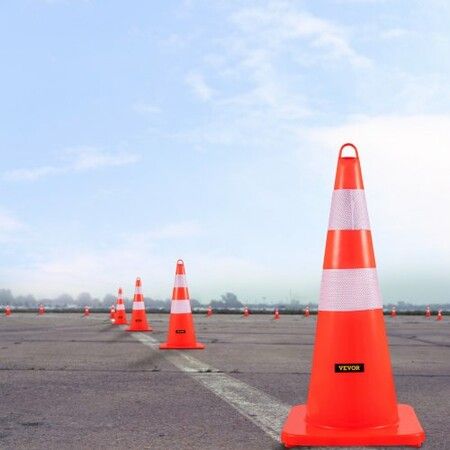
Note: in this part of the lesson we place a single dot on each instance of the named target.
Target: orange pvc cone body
(246, 311)
(428, 312)
(307, 311)
(41, 310)
(209, 312)
(393, 312)
(8, 310)
(181, 332)
(112, 312)
(276, 314)
(439, 315)
(351, 399)
(121, 315)
(86, 311)
(138, 315)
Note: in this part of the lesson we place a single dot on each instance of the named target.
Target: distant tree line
(228, 301)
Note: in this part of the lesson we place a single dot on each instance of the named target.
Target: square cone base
(408, 431)
(167, 346)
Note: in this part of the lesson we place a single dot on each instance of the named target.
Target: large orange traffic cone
(276, 314)
(439, 315)
(121, 315)
(181, 324)
(112, 313)
(41, 310)
(393, 312)
(8, 310)
(246, 311)
(352, 399)
(209, 312)
(428, 312)
(86, 311)
(138, 316)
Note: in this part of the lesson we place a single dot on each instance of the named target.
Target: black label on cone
(348, 367)
(180, 331)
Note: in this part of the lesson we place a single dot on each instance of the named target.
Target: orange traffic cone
(112, 313)
(276, 314)
(246, 311)
(86, 311)
(307, 311)
(138, 316)
(439, 315)
(41, 310)
(209, 312)
(181, 324)
(428, 312)
(8, 310)
(352, 399)
(393, 312)
(121, 315)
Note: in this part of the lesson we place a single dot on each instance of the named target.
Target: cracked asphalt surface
(68, 382)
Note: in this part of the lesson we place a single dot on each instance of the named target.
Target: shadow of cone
(351, 399)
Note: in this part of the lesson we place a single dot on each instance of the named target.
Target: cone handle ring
(180, 261)
(348, 144)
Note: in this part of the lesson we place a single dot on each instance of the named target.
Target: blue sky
(133, 135)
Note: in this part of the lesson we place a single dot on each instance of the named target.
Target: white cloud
(79, 159)
(198, 84)
(279, 23)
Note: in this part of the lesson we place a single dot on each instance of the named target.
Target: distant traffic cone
(393, 312)
(276, 314)
(86, 311)
(352, 399)
(181, 332)
(209, 312)
(121, 315)
(439, 315)
(112, 313)
(428, 312)
(307, 311)
(41, 310)
(246, 311)
(8, 310)
(138, 316)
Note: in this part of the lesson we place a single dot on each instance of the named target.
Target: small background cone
(120, 316)
(138, 316)
(181, 334)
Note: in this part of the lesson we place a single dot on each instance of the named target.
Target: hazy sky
(136, 133)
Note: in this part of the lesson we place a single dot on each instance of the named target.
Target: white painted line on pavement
(262, 409)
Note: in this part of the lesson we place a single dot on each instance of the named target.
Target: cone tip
(180, 261)
(348, 144)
